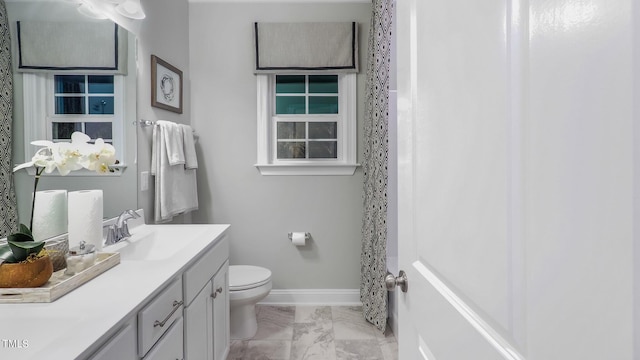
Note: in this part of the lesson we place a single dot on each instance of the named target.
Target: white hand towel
(190, 158)
(174, 141)
(175, 186)
(156, 142)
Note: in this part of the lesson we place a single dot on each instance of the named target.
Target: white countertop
(73, 326)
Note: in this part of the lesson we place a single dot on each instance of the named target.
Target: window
(83, 103)
(92, 104)
(307, 136)
(306, 124)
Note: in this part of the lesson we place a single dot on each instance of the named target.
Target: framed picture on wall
(166, 85)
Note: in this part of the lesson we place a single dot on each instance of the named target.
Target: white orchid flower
(43, 157)
(71, 156)
(23, 166)
(102, 156)
(67, 158)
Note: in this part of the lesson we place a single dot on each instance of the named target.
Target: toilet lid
(242, 277)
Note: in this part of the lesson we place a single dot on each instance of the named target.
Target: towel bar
(144, 122)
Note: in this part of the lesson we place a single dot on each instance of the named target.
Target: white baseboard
(336, 297)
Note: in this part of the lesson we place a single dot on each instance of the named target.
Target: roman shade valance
(309, 47)
(71, 46)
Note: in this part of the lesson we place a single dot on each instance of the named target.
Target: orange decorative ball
(27, 274)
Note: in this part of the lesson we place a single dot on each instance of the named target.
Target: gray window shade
(71, 46)
(308, 47)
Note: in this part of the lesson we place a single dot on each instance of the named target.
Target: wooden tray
(59, 284)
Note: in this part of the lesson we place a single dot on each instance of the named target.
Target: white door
(516, 192)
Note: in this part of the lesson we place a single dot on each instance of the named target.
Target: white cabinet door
(221, 313)
(518, 179)
(121, 347)
(207, 320)
(197, 317)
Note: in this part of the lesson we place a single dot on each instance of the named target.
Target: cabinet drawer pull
(215, 293)
(176, 306)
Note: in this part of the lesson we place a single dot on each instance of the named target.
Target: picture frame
(166, 85)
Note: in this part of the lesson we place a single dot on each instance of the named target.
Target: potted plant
(23, 261)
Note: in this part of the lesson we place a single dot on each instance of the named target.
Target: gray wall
(263, 209)
(164, 33)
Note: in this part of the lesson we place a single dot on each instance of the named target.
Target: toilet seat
(243, 277)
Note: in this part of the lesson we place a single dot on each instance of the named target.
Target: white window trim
(36, 93)
(347, 139)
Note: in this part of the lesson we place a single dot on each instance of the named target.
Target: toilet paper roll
(85, 217)
(299, 238)
(49, 214)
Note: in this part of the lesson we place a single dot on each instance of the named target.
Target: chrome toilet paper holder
(307, 236)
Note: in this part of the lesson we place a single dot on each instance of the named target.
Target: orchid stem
(39, 171)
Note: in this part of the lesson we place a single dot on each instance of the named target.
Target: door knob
(392, 281)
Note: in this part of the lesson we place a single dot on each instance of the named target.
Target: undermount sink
(152, 242)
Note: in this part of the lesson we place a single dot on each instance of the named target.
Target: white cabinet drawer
(158, 315)
(170, 345)
(204, 268)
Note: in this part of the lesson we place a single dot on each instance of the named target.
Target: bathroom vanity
(167, 299)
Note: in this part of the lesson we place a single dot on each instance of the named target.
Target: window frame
(39, 89)
(344, 164)
(115, 118)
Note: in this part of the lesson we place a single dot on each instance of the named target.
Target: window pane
(290, 84)
(291, 150)
(323, 104)
(291, 130)
(69, 105)
(323, 149)
(323, 130)
(101, 105)
(100, 84)
(69, 84)
(323, 84)
(98, 130)
(290, 105)
(63, 131)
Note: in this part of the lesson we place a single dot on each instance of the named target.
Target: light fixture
(98, 9)
(131, 9)
(88, 10)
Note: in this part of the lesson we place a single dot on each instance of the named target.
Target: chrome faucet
(120, 230)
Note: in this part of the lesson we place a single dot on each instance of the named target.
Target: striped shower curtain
(8, 207)
(373, 264)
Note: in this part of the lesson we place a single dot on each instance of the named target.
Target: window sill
(119, 170)
(307, 169)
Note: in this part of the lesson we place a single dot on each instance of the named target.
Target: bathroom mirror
(119, 188)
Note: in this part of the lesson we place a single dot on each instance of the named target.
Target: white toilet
(247, 285)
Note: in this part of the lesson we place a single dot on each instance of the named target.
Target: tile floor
(314, 333)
